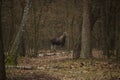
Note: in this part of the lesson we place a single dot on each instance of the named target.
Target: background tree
(12, 55)
(2, 56)
(86, 33)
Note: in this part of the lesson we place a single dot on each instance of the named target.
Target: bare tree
(86, 30)
(2, 56)
(12, 55)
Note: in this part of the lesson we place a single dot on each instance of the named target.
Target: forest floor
(60, 66)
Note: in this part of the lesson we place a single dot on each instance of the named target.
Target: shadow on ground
(33, 77)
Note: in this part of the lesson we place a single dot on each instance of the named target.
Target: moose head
(59, 41)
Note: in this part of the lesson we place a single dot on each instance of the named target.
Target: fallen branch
(19, 67)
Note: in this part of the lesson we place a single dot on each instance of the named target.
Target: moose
(58, 41)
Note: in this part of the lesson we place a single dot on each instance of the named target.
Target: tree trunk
(117, 38)
(86, 33)
(77, 49)
(21, 49)
(109, 24)
(2, 56)
(77, 45)
(11, 59)
(21, 46)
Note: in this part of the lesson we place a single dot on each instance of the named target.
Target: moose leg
(52, 46)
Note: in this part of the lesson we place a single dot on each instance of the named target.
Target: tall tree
(12, 55)
(77, 49)
(77, 44)
(2, 56)
(109, 26)
(117, 29)
(86, 30)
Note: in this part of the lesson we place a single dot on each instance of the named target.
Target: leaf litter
(63, 67)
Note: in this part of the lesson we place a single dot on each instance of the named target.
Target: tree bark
(117, 38)
(77, 49)
(109, 25)
(2, 56)
(86, 33)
